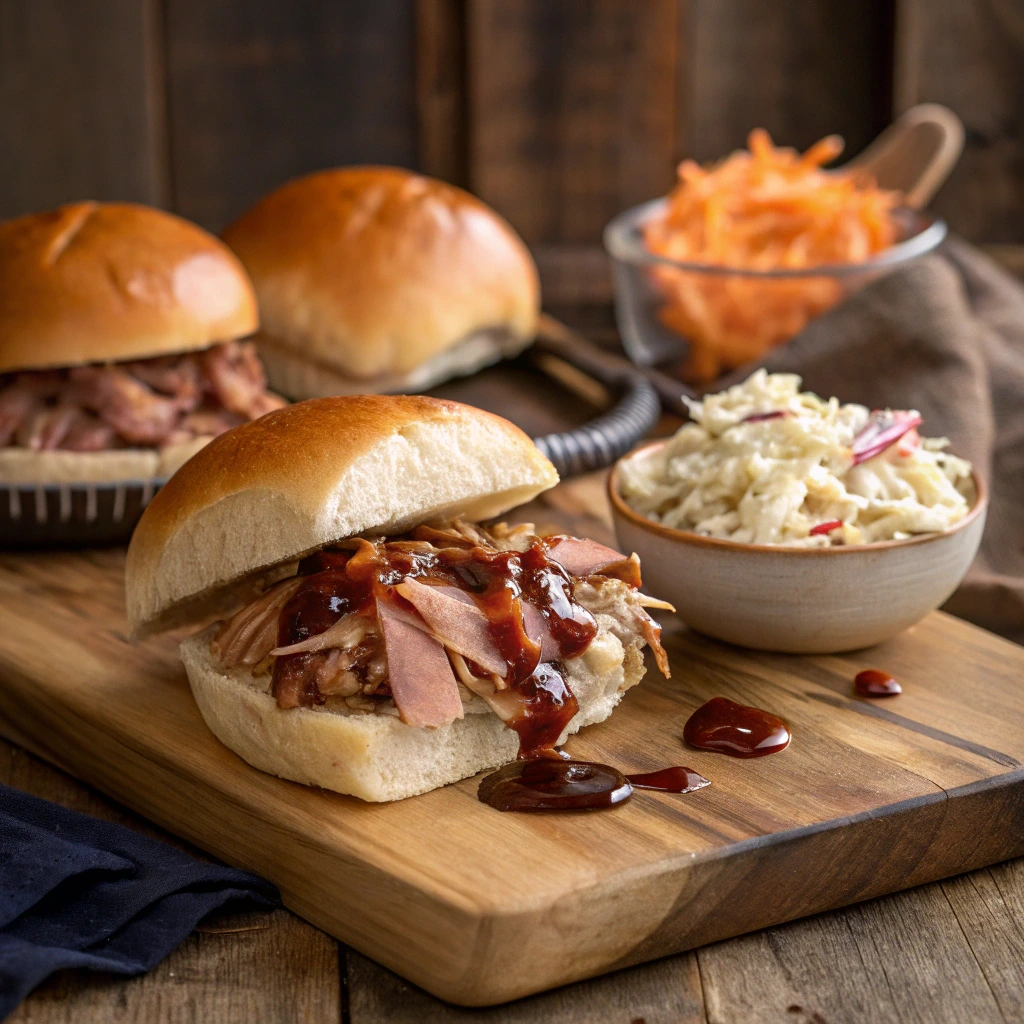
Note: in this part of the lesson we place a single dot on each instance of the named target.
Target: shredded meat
(89, 433)
(138, 414)
(248, 637)
(296, 684)
(22, 398)
(406, 646)
(46, 427)
(234, 376)
(458, 624)
(178, 376)
(149, 403)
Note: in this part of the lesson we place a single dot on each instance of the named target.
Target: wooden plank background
(560, 114)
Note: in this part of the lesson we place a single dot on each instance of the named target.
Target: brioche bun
(105, 282)
(372, 273)
(277, 488)
(378, 757)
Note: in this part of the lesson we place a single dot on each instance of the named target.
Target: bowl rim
(620, 508)
(621, 245)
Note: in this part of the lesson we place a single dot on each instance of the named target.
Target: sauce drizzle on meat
(339, 582)
(442, 622)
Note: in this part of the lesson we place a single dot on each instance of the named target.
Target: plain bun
(378, 757)
(307, 475)
(298, 377)
(115, 465)
(105, 282)
(374, 271)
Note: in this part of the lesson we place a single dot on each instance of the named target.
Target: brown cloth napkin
(944, 336)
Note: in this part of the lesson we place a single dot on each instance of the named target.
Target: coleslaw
(766, 463)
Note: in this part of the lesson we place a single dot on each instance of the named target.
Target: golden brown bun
(372, 271)
(104, 282)
(275, 489)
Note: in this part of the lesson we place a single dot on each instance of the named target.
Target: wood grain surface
(571, 117)
(868, 799)
(441, 89)
(81, 103)
(896, 959)
(779, 73)
(970, 56)
(260, 93)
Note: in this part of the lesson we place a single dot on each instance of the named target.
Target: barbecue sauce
(548, 705)
(669, 780)
(544, 784)
(873, 682)
(323, 599)
(549, 784)
(735, 729)
(340, 581)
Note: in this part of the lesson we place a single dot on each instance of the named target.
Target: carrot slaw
(763, 209)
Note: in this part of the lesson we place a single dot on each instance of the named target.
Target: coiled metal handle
(601, 441)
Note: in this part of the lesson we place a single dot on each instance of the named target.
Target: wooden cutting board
(480, 907)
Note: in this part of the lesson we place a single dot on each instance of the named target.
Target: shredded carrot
(763, 209)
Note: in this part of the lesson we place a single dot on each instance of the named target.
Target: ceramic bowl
(799, 600)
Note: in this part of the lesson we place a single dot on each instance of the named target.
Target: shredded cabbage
(773, 480)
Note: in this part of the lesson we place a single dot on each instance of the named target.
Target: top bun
(299, 478)
(373, 271)
(104, 282)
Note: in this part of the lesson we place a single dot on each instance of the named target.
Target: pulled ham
(421, 624)
(459, 624)
(144, 403)
(581, 557)
(422, 681)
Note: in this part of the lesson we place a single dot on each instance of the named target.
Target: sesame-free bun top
(372, 271)
(105, 282)
(302, 477)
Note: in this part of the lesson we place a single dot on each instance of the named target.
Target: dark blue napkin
(76, 891)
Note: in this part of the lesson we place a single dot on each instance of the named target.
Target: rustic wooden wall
(559, 113)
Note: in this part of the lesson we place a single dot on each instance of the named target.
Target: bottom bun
(299, 377)
(374, 755)
(25, 466)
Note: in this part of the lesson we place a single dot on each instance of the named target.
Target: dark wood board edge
(898, 847)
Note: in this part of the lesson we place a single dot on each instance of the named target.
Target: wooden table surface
(948, 952)
(952, 951)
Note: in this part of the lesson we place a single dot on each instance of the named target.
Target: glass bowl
(708, 319)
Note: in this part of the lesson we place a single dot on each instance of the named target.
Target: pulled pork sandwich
(386, 642)
(119, 355)
(376, 279)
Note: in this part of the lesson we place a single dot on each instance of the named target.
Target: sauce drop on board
(738, 730)
(669, 780)
(545, 784)
(550, 784)
(873, 682)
